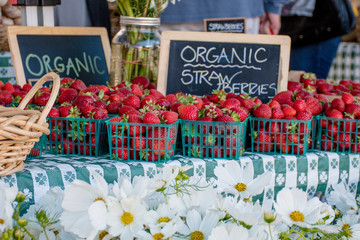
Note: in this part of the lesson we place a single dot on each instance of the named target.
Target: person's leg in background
(316, 58)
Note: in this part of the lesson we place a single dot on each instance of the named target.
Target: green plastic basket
(142, 142)
(338, 135)
(221, 140)
(273, 136)
(38, 148)
(77, 136)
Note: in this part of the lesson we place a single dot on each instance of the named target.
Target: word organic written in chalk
(78, 57)
(200, 67)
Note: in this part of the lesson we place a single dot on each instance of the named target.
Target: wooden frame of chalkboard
(237, 20)
(100, 34)
(197, 63)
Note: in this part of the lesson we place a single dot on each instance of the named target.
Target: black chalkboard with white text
(229, 25)
(200, 67)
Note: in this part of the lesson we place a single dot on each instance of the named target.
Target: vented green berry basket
(274, 136)
(38, 148)
(338, 135)
(141, 141)
(77, 136)
(220, 140)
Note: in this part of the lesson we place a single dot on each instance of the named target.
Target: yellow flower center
(2, 221)
(163, 220)
(127, 218)
(197, 235)
(345, 227)
(158, 236)
(103, 234)
(297, 216)
(240, 187)
(99, 199)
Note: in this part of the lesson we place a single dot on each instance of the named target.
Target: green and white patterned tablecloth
(7, 72)
(314, 172)
(346, 64)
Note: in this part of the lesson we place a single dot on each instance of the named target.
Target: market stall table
(314, 172)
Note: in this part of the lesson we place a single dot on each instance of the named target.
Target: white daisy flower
(342, 199)
(163, 215)
(350, 226)
(158, 233)
(7, 197)
(231, 178)
(85, 207)
(165, 177)
(246, 212)
(138, 189)
(293, 207)
(126, 217)
(198, 227)
(229, 231)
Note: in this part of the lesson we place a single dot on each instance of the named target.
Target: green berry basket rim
(281, 120)
(212, 122)
(108, 123)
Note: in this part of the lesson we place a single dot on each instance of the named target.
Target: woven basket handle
(54, 92)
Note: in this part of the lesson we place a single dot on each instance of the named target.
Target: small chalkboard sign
(79, 53)
(228, 25)
(199, 62)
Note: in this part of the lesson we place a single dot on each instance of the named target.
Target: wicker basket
(20, 129)
(4, 45)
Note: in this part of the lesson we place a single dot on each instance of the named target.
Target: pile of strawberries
(339, 129)
(214, 125)
(310, 83)
(283, 124)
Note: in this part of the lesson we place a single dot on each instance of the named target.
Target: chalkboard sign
(228, 25)
(198, 63)
(79, 53)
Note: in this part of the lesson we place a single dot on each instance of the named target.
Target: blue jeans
(316, 58)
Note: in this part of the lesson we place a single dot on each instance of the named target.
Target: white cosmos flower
(239, 181)
(349, 223)
(158, 233)
(198, 227)
(342, 199)
(165, 177)
(229, 231)
(7, 197)
(246, 212)
(85, 207)
(138, 189)
(163, 215)
(293, 207)
(126, 217)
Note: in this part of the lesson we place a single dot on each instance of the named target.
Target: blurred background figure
(262, 16)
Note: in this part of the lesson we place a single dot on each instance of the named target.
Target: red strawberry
(125, 109)
(247, 103)
(78, 85)
(332, 130)
(142, 81)
(5, 97)
(323, 100)
(263, 111)
(163, 103)
(188, 112)
(8, 87)
(205, 119)
(138, 143)
(133, 100)
(288, 111)
(91, 89)
(169, 117)
(172, 99)
(114, 127)
(54, 112)
(82, 101)
(262, 141)
(69, 111)
(42, 99)
(135, 129)
(294, 86)
(34, 152)
(347, 98)
(343, 141)
(126, 92)
(156, 94)
(68, 95)
(66, 147)
(224, 118)
(113, 107)
(136, 90)
(304, 115)
(66, 82)
(159, 142)
(338, 104)
(274, 104)
(303, 94)
(325, 88)
(151, 118)
(100, 113)
(299, 105)
(27, 87)
(118, 97)
(285, 97)
(353, 109)
(242, 113)
(334, 113)
(231, 103)
(313, 105)
(326, 144)
(277, 113)
(120, 153)
(100, 104)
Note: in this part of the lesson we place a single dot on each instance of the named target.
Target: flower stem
(270, 232)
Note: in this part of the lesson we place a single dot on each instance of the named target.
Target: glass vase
(135, 50)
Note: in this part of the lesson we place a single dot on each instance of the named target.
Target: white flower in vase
(126, 218)
(233, 179)
(7, 197)
(350, 225)
(85, 207)
(198, 226)
(342, 199)
(229, 231)
(294, 208)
